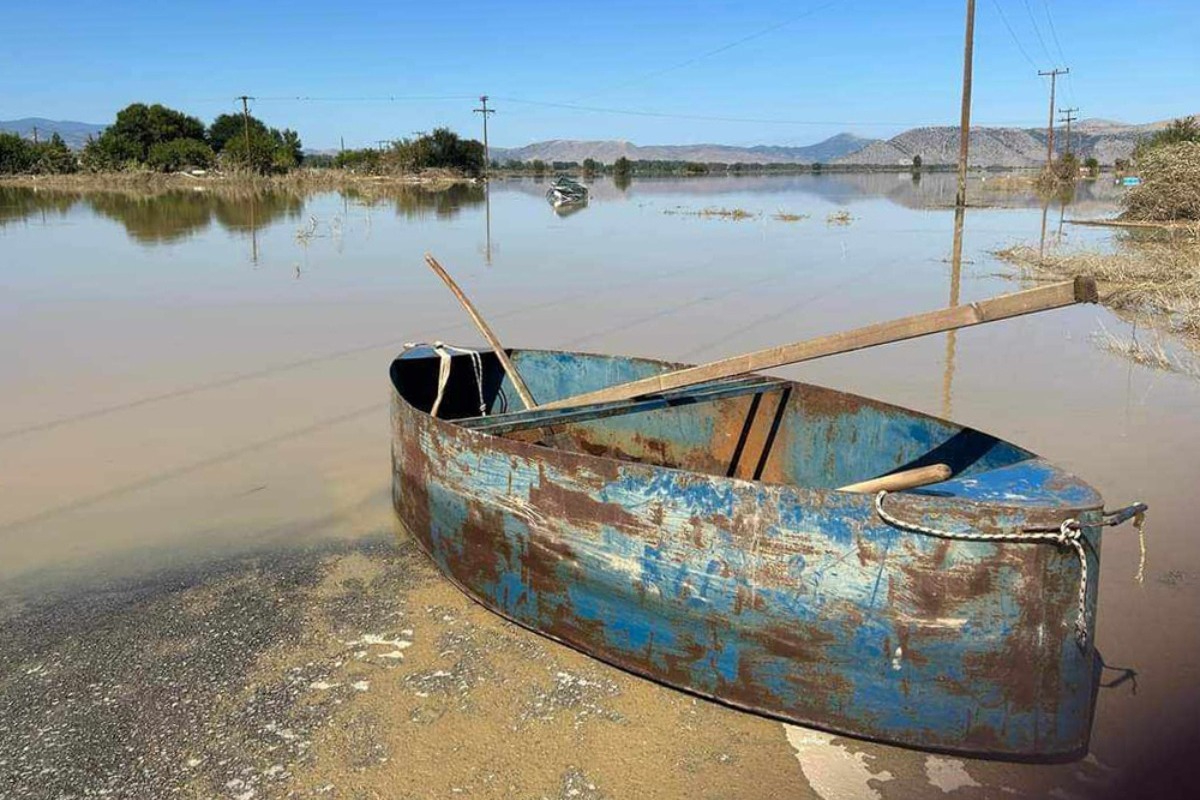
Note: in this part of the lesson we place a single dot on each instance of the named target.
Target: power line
(1058, 47)
(1053, 32)
(708, 54)
(1037, 31)
(712, 118)
(1013, 34)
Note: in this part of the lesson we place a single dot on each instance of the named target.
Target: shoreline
(298, 180)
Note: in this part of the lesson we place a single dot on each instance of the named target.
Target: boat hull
(797, 603)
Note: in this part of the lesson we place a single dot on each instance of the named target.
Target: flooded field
(200, 587)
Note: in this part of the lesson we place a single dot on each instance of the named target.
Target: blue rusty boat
(699, 539)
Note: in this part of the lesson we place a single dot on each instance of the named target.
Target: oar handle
(1043, 298)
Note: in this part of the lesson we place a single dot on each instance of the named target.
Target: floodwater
(190, 377)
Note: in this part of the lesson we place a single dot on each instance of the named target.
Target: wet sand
(201, 592)
(354, 671)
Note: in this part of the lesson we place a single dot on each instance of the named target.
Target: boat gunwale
(1033, 511)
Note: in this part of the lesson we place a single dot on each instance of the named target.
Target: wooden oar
(469, 307)
(1057, 295)
(907, 479)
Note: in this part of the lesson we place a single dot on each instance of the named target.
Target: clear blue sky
(802, 70)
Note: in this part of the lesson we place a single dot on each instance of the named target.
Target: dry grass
(735, 214)
(840, 217)
(300, 180)
(1170, 187)
(1013, 182)
(783, 216)
(1150, 277)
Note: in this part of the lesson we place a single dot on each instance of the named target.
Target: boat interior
(753, 428)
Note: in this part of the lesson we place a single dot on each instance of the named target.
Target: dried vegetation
(1150, 277)
(1170, 187)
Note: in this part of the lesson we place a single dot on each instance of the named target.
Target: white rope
(444, 352)
(1069, 533)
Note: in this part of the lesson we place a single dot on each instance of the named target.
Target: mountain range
(75, 134)
(1105, 140)
(608, 151)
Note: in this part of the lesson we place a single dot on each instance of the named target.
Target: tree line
(162, 139)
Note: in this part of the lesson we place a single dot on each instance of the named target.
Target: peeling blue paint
(778, 595)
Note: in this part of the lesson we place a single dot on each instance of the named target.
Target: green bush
(1180, 130)
(177, 154)
(21, 156)
(16, 154)
(110, 152)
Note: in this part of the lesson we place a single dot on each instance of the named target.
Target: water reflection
(20, 204)
(956, 247)
(161, 217)
(416, 202)
(154, 218)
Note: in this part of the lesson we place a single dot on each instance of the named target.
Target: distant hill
(608, 151)
(1105, 140)
(75, 134)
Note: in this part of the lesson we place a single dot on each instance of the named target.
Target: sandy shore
(355, 671)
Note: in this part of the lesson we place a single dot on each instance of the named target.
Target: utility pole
(1069, 117)
(1054, 73)
(965, 131)
(487, 155)
(245, 122)
(35, 137)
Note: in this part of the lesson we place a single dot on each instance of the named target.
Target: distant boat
(566, 192)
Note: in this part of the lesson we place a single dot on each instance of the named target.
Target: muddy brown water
(189, 377)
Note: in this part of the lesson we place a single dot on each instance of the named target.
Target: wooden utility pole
(1054, 73)
(487, 155)
(246, 122)
(965, 131)
(1069, 116)
(35, 136)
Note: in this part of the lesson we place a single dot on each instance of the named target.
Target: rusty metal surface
(629, 541)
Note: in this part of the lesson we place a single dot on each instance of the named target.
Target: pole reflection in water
(1042, 241)
(253, 235)
(487, 225)
(955, 285)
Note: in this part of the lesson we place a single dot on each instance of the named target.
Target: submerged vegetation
(1152, 277)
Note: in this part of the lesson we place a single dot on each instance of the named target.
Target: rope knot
(1069, 532)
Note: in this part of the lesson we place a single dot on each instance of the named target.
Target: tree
(1179, 130)
(54, 157)
(917, 161)
(589, 166)
(270, 150)
(539, 167)
(109, 153)
(16, 154)
(145, 126)
(229, 126)
(622, 167)
(177, 154)
(1092, 165)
